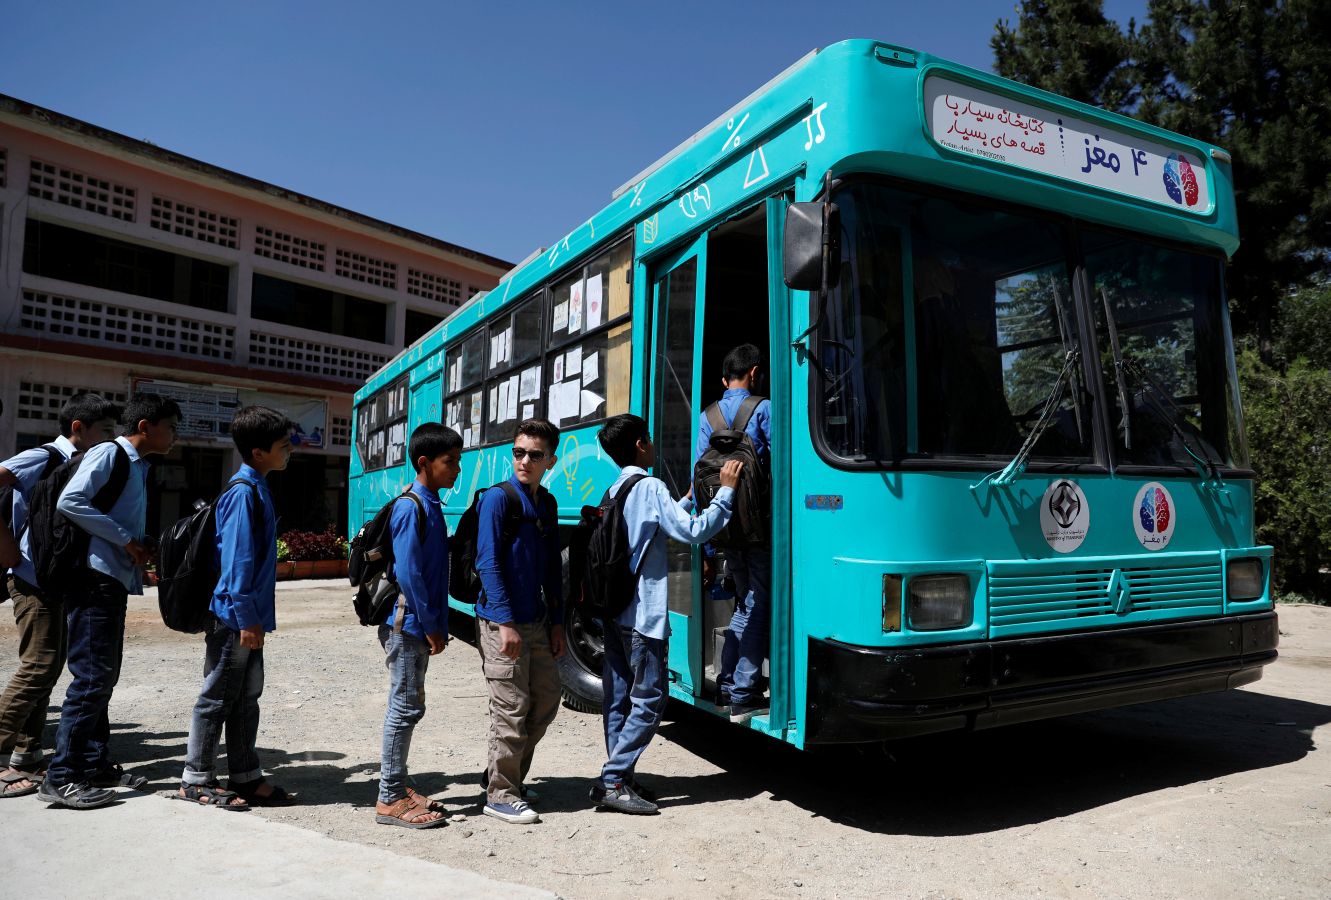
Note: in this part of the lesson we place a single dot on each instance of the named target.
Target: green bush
(1288, 417)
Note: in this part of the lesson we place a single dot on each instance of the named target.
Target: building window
(71, 188)
(340, 434)
(88, 321)
(434, 287)
(288, 248)
(304, 306)
(68, 254)
(418, 324)
(42, 402)
(194, 222)
(367, 269)
(472, 291)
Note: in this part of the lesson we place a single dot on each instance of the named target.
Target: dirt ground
(1215, 796)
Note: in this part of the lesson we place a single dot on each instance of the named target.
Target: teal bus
(1009, 473)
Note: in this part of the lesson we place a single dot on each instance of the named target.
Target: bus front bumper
(859, 694)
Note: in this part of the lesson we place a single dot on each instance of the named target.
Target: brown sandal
(409, 812)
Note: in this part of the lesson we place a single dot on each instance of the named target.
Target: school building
(126, 267)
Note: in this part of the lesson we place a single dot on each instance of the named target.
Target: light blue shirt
(246, 554)
(650, 509)
(125, 521)
(27, 468)
(759, 428)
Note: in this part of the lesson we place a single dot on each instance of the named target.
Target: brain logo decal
(1180, 180)
(1154, 516)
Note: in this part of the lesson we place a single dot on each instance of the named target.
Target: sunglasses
(533, 455)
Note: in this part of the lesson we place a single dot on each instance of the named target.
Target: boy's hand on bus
(510, 642)
(730, 473)
(140, 554)
(252, 638)
(437, 643)
(708, 571)
(557, 646)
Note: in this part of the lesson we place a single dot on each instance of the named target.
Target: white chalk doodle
(554, 252)
(822, 133)
(688, 204)
(734, 133)
(650, 228)
(637, 194)
(751, 179)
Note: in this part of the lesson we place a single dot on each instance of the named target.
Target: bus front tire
(580, 666)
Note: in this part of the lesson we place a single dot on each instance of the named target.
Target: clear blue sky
(494, 125)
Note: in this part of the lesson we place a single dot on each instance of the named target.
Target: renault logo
(1120, 593)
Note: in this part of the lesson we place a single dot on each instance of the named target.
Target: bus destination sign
(970, 120)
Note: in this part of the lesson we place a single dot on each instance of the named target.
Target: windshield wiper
(1124, 423)
(1162, 403)
(1012, 470)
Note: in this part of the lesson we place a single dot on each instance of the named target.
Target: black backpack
(750, 521)
(54, 458)
(58, 547)
(186, 570)
(464, 582)
(370, 564)
(602, 580)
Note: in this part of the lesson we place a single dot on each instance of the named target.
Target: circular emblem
(1153, 516)
(1065, 516)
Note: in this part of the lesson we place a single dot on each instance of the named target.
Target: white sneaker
(518, 813)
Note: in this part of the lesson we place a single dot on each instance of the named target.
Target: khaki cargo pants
(524, 698)
(43, 645)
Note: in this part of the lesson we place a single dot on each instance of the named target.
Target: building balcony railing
(88, 321)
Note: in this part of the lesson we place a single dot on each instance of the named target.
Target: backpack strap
(513, 511)
(420, 512)
(622, 499)
(110, 492)
(54, 458)
(745, 412)
(715, 419)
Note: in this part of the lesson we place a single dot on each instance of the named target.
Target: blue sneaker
(513, 813)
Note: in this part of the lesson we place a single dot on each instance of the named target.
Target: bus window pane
(463, 415)
(526, 333)
(503, 408)
(618, 289)
(473, 358)
(674, 380)
(566, 309)
(1168, 310)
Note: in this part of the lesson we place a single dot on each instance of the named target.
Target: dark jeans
(41, 651)
(232, 685)
(748, 635)
(634, 683)
(96, 625)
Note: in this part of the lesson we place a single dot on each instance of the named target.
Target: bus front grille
(1029, 597)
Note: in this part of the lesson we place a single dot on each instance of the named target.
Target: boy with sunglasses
(520, 618)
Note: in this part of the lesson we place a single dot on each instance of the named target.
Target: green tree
(1248, 75)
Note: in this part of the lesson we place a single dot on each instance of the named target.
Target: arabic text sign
(970, 120)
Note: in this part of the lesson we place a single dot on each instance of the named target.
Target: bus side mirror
(802, 247)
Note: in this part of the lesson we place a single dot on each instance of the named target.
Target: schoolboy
(416, 628)
(747, 637)
(81, 773)
(243, 611)
(520, 620)
(86, 420)
(634, 672)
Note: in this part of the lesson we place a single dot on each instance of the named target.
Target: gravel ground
(1215, 796)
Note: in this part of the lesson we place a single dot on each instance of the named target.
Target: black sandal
(247, 789)
(211, 795)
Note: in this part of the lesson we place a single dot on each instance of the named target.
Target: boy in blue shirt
(634, 673)
(243, 610)
(740, 676)
(81, 771)
(86, 420)
(416, 628)
(519, 632)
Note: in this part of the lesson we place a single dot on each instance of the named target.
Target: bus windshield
(954, 322)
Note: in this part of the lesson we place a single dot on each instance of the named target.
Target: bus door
(677, 294)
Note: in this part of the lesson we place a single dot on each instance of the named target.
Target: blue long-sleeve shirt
(123, 523)
(421, 566)
(649, 509)
(27, 467)
(246, 554)
(759, 428)
(514, 577)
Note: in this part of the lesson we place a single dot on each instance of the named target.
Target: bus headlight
(1244, 579)
(937, 602)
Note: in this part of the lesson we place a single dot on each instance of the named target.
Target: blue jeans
(634, 682)
(232, 686)
(95, 622)
(749, 633)
(407, 658)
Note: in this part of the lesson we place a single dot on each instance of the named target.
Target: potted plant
(286, 569)
(316, 554)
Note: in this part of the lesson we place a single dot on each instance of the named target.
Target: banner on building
(309, 413)
(205, 410)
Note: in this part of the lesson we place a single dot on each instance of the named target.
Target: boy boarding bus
(1008, 463)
